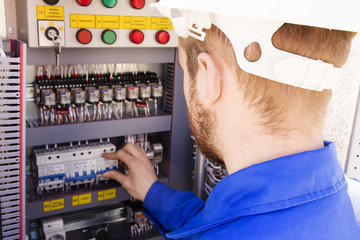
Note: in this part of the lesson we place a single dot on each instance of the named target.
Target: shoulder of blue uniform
(354, 194)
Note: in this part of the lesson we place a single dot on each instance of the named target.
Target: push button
(137, 36)
(84, 36)
(109, 3)
(108, 37)
(51, 2)
(162, 37)
(137, 4)
(84, 2)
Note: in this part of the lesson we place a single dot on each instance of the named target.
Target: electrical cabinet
(107, 47)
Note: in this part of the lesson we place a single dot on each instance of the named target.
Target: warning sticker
(119, 22)
(135, 22)
(86, 21)
(106, 195)
(81, 199)
(40, 11)
(161, 23)
(54, 205)
(111, 22)
(54, 13)
(73, 20)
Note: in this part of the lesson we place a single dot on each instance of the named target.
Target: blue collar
(273, 185)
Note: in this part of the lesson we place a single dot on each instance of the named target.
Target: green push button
(108, 37)
(109, 3)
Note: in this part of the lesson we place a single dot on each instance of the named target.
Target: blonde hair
(274, 102)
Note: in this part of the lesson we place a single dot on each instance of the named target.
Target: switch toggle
(137, 36)
(84, 2)
(137, 4)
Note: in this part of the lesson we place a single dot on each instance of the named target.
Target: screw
(11, 30)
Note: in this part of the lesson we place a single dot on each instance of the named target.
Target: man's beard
(203, 123)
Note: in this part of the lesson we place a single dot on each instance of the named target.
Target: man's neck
(254, 149)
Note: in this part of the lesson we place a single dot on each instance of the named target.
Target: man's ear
(208, 79)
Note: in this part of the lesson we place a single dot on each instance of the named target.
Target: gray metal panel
(11, 203)
(10, 221)
(6, 174)
(98, 55)
(181, 145)
(15, 237)
(353, 162)
(77, 132)
(10, 198)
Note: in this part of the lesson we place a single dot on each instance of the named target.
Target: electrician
(257, 79)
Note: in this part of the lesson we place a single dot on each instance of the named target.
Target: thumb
(118, 176)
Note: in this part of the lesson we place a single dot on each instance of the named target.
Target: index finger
(134, 150)
(119, 155)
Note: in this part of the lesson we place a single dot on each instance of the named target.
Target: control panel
(94, 24)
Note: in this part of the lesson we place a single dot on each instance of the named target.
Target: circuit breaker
(94, 24)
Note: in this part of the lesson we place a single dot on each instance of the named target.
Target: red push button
(137, 4)
(84, 36)
(137, 36)
(83, 2)
(162, 37)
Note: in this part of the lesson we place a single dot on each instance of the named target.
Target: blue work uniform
(302, 196)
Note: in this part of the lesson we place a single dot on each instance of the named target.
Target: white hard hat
(245, 22)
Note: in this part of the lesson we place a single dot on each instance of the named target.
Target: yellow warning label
(161, 23)
(99, 21)
(54, 13)
(81, 199)
(85, 199)
(111, 22)
(86, 21)
(100, 196)
(73, 21)
(54, 205)
(47, 207)
(40, 12)
(135, 22)
(120, 22)
(75, 201)
(110, 194)
(106, 195)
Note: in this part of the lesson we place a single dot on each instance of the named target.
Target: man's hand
(141, 173)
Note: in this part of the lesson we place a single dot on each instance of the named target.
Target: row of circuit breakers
(95, 23)
(68, 166)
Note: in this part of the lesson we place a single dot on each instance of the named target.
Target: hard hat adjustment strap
(275, 64)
